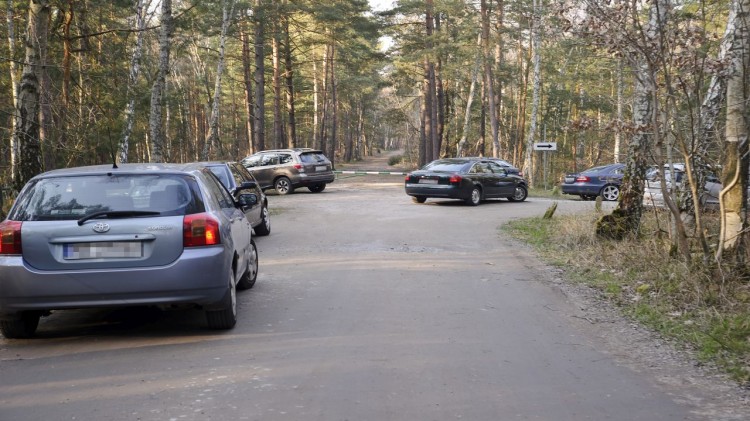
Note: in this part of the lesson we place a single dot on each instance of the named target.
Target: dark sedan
(601, 181)
(237, 178)
(469, 179)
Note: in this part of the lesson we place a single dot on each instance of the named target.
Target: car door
(482, 174)
(261, 166)
(505, 184)
(240, 228)
(241, 175)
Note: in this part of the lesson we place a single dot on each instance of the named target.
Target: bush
(395, 160)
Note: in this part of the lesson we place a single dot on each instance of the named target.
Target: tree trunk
(260, 81)
(291, 124)
(626, 218)
(278, 121)
(13, 68)
(213, 124)
(489, 79)
(248, 80)
(334, 105)
(135, 67)
(157, 90)
(27, 125)
(536, 47)
(733, 196)
(470, 99)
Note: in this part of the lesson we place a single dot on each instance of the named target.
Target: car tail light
(520, 173)
(200, 229)
(10, 237)
(299, 167)
(582, 179)
(455, 179)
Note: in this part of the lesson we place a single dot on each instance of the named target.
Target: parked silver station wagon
(142, 234)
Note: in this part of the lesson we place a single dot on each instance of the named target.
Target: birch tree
(27, 125)
(135, 67)
(157, 90)
(227, 13)
(537, 76)
(13, 69)
(733, 196)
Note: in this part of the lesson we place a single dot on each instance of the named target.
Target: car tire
(610, 193)
(418, 199)
(251, 273)
(21, 327)
(317, 188)
(519, 195)
(475, 198)
(264, 228)
(226, 317)
(283, 186)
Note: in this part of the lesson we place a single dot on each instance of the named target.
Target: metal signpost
(547, 147)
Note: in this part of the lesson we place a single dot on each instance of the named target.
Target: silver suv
(142, 234)
(288, 169)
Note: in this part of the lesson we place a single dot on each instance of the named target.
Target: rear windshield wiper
(117, 214)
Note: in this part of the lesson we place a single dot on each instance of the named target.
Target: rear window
(312, 157)
(446, 166)
(71, 198)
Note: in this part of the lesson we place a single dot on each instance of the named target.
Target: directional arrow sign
(546, 146)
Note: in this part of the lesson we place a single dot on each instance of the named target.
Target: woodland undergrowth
(702, 306)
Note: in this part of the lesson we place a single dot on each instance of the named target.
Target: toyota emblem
(101, 227)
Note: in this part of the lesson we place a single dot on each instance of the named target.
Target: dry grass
(696, 303)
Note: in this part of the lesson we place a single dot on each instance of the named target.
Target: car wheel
(251, 274)
(317, 188)
(23, 326)
(610, 192)
(226, 317)
(418, 199)
(283, 186)
(475, 198)
(264, 228)
(519, 195)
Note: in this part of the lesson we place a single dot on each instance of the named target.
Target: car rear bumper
(198, 277)
(436, 190)
(579, 189)
(310, 179)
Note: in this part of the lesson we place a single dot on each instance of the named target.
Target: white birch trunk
(13, 67)
(28, 104)
(470, 100)
(537, 77)
(157, 91)
(213, 125)
(734, 177)
(135, 68)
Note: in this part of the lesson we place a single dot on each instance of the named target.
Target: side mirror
(246, 185)
(247, 200)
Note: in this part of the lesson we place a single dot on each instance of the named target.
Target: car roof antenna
(112, 150)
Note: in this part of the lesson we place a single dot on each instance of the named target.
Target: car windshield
(221, 173)
(71, 198)
(445, 166)
(596, 170)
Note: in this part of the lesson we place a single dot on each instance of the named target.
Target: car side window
(251, 161)
(219, 191)
(497, 169)
(269, 159)
(285, 158)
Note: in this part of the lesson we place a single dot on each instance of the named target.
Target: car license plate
(569, 179)
(321, 168)
(427, 181)
(103, 250)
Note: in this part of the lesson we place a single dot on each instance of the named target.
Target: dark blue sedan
(469, 179)
(601, 181)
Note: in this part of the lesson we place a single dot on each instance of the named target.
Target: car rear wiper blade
(116, 214)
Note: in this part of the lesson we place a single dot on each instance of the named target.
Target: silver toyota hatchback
(142, 234)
